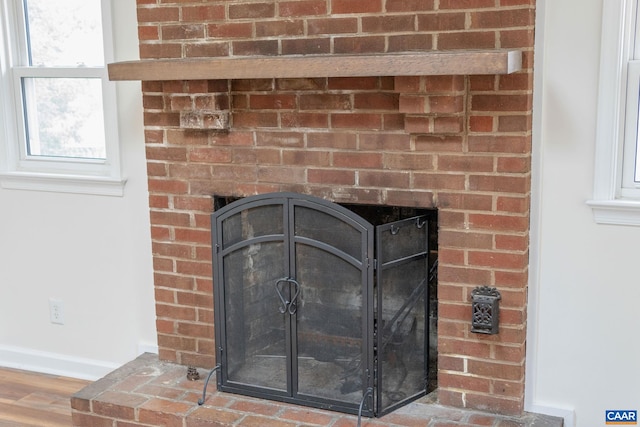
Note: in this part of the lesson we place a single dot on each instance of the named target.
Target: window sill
(95, 185)
(616, 212)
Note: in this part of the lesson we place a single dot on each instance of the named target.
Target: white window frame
(18, 170)
(616, 199)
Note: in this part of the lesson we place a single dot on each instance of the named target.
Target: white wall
(583, 342)
(92, 252)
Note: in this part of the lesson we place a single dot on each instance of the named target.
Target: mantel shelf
(458, 62)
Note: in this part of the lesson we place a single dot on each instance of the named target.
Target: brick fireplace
(458, 143)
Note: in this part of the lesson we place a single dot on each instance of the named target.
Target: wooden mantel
(458, 62)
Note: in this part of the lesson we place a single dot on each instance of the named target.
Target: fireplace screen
(317, 306)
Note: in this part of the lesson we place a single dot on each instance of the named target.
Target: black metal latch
(289, 306)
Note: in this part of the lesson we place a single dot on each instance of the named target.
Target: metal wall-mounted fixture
(485, 309)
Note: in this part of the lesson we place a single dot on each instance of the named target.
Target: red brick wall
(458, 143)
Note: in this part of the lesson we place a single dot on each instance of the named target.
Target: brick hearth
(150, 392)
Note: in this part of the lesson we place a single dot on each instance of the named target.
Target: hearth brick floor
(149, 392)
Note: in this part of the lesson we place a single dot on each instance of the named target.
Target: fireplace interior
(325, 305)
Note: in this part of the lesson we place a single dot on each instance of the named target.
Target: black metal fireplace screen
(315, 305)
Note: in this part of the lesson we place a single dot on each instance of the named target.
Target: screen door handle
(287, 306)
(292, 305)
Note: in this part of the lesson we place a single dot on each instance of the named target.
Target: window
(60, 131)
(617, 170)
(631, 164)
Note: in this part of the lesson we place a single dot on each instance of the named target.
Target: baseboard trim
(568, 415)
(53, 363)
(144, 347)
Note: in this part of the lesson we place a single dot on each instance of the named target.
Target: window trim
(608, 204)
(629, 186)
(23, 172)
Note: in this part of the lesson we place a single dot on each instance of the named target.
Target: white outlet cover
(56, 311)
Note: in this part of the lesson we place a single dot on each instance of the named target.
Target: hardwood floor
(29, 399)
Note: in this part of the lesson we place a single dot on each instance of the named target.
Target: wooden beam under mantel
(458, 62)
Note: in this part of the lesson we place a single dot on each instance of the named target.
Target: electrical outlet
(56, 311)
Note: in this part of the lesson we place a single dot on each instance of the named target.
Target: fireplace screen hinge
(372, 263)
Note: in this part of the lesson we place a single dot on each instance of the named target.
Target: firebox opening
(317, 302)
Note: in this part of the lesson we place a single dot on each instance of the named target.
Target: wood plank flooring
(29, 399)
